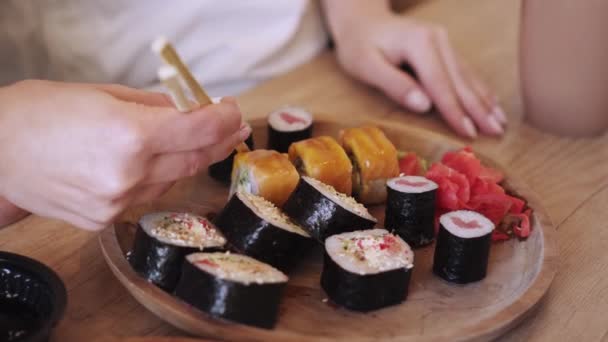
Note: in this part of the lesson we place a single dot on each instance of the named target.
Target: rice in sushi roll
(222, 170)
(162, 241)
(410, 209)
(463, 246)
(324, 159)
(374, 160)
(367, 270)
(232, 287)
(255, 227)
(288, 125)
(322, 211)
(265, 173)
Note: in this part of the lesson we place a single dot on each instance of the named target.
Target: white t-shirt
(230, 45)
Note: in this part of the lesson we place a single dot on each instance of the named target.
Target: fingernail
(469, 127)
(417, 101)
(500, 115)
(495, 125)
(245, 131)
(216, 100)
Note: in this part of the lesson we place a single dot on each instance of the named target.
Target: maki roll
(233, 287)
(255, 227)
(410, 209)
(322, 211)
(463, 246)
(288, 125)
(367, 270)
(222, 170)
(265, 173)
(374, 160)
(162, 241)
(324, 159)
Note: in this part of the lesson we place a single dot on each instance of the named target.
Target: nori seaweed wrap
(410, 209)
(463, 247)
(233, 287)
(255, 227)
(162, 241)
(367, 270)
(288, 125)
(222, 170)
(322, 211)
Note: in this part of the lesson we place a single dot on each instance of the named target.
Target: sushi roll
(162, 241)
(410, 209)
(265, 173)
(367, 270)
(322, 211)
(222, 170)
(232, 287)
(255, 227)
(463, 246)
(374, 160)
(324, 159)
(288, 125)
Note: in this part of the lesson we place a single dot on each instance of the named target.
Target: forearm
(341, 15)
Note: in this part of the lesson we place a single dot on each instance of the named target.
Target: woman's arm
(372, 43)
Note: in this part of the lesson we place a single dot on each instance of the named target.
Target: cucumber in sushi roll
(233, 287)
(162, 241)
(463, 246)
(410, 209)
(288, 125)
(222, 170)
(255, 227)
(322, 211)
(367, 270)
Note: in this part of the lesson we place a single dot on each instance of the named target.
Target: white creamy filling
(269, 212)
(237, 267)
(466, 224)
(290, 119)
(411, 184)
(369, 251)
(341, 199)
(182, 229)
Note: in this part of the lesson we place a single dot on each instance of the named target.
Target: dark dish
(32, 299)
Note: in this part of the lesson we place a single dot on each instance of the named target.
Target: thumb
(397, 84)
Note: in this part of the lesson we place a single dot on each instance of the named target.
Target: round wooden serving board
(519, 272)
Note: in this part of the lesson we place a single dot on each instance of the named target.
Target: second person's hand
(83, 153)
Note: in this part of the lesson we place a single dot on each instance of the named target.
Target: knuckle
(194, 165)
(133, 138)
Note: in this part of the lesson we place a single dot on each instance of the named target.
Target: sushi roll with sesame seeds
(255, 227)
(367, 270)
(463, 246)
(232, 287)
(162, 241)
(410, 209)
(288, 125)
(322, 211)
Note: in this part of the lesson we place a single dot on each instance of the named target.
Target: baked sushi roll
(162, 241)
(265, 173)
(463, 246)
(367, 270)
(324, 159)
(410, 209)
(322, 211)
(222, 170)
(288, 125)
(374, 160)
(255, 227)
(232, 287)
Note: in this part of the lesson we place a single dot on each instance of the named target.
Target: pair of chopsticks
(169, 75)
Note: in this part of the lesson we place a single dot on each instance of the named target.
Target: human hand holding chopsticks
(83, 153)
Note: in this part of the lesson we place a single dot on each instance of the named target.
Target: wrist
(343, 17)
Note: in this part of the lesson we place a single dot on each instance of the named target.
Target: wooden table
(571, 176)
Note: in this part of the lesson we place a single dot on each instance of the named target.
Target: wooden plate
(519, 273)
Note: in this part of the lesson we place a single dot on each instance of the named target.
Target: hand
(372, 45)
(83, 153)
(10, 213)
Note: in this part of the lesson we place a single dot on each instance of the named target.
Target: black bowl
(32, 299)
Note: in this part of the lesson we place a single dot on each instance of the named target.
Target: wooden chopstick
(168, 76)
(169, 55)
